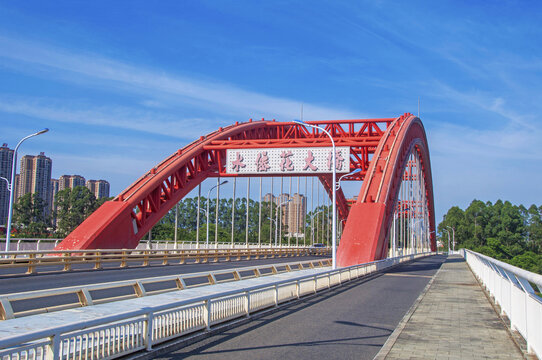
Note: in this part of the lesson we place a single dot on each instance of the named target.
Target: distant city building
(100, 188)
(16, 185)
(297, 212)
(70, 181)
(294, 211)
(55, 188)
(35, 178)
(6, 164)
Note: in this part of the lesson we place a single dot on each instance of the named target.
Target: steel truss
(122, 222)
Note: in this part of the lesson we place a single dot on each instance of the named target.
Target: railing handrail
(40, 334)
(516, 291)
(525, 274)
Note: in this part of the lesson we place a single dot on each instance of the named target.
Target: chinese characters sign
(286, 160)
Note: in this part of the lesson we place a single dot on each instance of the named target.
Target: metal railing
(120, 334)
(84, 294)
(32, 260)
(28, 244)
(516, 291)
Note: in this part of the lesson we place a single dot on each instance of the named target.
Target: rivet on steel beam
(237, 123)
(220, 129)
(153, 171)
(201, 138)
(179, 152)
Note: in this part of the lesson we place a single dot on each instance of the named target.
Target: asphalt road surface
(352, 321)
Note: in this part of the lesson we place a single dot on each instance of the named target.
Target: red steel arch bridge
(393, 213)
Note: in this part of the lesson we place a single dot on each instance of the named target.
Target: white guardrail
(114, 336)
(515, 291)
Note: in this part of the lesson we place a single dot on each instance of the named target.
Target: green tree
(73, 207)
(502, 230)
(29, 215)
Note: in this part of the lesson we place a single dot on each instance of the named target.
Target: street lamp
(10, 184)
(453, 236)
(334, 219)
(345, 175)
(279, 208)
(273, 220)
(208, 199)
(312, 228)
(448, 240)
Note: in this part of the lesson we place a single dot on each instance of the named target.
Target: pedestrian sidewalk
(453, 320)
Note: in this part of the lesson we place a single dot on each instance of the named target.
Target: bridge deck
(351, 321)
(453, 320)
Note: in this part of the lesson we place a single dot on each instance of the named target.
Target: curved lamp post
(345, 175)
(208, 199)
(279, 208)
(334, 198)
(10, 184)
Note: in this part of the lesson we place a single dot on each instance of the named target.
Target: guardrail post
(247, 303)
(6, 311)
(31, 261)
(146, 258)
(207, 314)
(98, 263)
(123, 259)
(67, 264)
(148, 330)
(84, 297)
(53, 349)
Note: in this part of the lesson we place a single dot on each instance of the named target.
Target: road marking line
(409, 275)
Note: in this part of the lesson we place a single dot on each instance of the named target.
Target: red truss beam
(122, 222)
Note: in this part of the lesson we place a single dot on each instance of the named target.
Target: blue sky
(123, 84)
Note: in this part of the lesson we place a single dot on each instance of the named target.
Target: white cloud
(120, 117)
(223, 97)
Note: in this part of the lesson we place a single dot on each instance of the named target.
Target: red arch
(122, 222)
(366, 232)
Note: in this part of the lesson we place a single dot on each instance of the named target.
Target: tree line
(31, 218)
(73, 206)
(502, 231)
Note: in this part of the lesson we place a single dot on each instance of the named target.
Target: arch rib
(366, 231)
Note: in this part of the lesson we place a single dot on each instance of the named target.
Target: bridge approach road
(351, 321)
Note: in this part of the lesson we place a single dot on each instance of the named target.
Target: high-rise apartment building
(6, 164)
(294, 211)
(55, 185)
(35, 178)
(70, 181)
(297, 212)
(100, 188)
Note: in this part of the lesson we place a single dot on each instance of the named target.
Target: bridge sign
(287, 160)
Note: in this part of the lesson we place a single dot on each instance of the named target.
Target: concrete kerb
(388, 345)
(177, 344)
